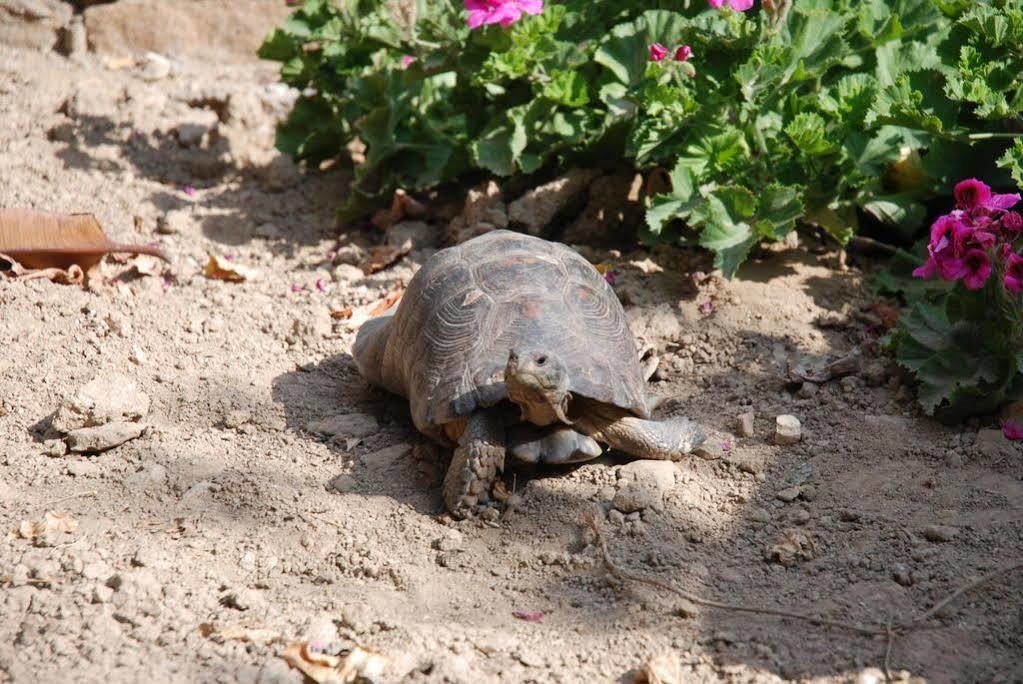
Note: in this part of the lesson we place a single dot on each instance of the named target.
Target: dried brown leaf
(342, 314)
(402, 206)
(219, 268)
(791, 546)
(322, 668)
(43, 240)
(53, 521)
(385, 304)
(382, 256)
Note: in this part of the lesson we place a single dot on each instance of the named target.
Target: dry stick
(68, 498)
(613, 568)
(593, 522)
(889, 642)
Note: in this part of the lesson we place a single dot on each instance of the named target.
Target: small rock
(321, 629)
(346, 425)
(105, 399)
(54, 447)
(174, 222)
(356, 617)
(242, 599)
(346, 273)
(808, 390)
(387, 457)
(190, 134)
(615, 517)
(747, 463)
(643, 484)
(789, 494)
(939, 533)
(151, 475)
(102, 594)
(539, 206)
(267, 231)
(155, 67)
(709, 451)
(760, 515)
(236, 418)
(450, 541)
(954, 459)
(82, 468)
(686, 609)
(145, 557)
(787, 430)
(342, 484)
(744, 424)
(93, 440)
(421, 234)
(351, 254)
(993, 444)
(900, 573)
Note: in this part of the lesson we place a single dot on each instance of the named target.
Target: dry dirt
(229, 511)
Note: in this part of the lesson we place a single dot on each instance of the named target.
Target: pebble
(708, 451)
(900, 573)
(54, 447)
(939, 533)
(242, 599)
(450, 541)
(267, 231)
(342, 484)
(92, 440)
(686, 609)
(82, 468)
(642, 484)
(615, 517)
(387, 457)
(152, 474)
(155, 67)
(346, 425)
(236, 418)
(760, 515)
(105, 399)
(789, 494)
(744, 424)
(787, 430)
(346, 273)
(808, 390)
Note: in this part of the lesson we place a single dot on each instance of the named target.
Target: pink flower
(683, 52)
(503, 12)
(972, 194)
(977, 266)
(737, 5)
(1012, 223)
(190, 191)
(1014, 273)
(407, 61)
(657, 52)
(320, 285)
(1013, 431)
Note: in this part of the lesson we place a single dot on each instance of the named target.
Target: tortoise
(510, 344)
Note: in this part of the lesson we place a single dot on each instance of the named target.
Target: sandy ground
(229, 513)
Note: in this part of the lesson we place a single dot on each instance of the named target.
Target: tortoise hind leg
(475, 464)
(369, 347)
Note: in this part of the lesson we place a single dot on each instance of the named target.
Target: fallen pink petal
(298, 288)
(706, 308)
(320, 285)
(190, 191)
(726, 447)
(1013, 431)
(611, 277)
(528, 615)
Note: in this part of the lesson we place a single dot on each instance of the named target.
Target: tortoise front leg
(476, 464)
(667, 440)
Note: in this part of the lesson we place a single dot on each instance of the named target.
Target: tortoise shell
(469, 305)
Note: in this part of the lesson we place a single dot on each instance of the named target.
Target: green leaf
(278, 46)
(567, 88)
(808, 132)
(1012, 161)
(900, 210)
(780, 207)
(725, 230)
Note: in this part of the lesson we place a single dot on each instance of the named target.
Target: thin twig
(593, 521)
(957, 593)
(79, 495)
(618, 572)
(863, 242)
(889, 642)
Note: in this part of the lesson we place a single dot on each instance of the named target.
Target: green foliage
(810, 116)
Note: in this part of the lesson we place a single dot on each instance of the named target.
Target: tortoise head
(537, 382)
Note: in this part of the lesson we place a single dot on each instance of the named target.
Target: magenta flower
(658, 52)
(1012, 223)
(977, 267)
(503, 12)
(737, 5)
(407, 61)
(972, 194)
(1013, 431)
(1014, 273)
(683, 52)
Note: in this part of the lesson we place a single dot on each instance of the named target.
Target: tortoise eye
(541, 360)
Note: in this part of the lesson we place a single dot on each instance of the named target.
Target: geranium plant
(964, 342)
(827, 112)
